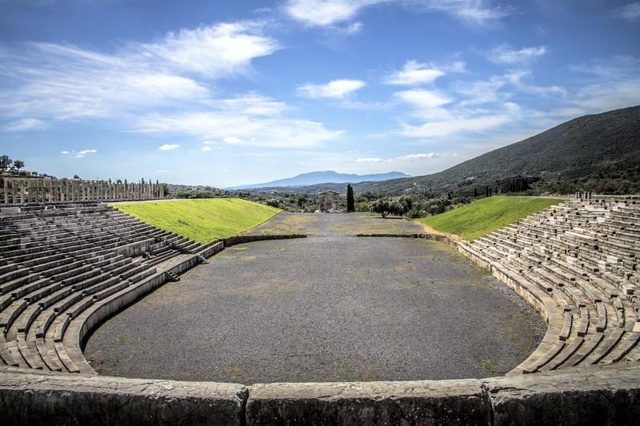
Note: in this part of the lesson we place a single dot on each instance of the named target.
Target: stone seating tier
(57, 262)
(583, 256)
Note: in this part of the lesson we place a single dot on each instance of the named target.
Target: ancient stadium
(300, 307)
(319, 212)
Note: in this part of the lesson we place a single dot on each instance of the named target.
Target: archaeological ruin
(328, 201)
(37, 189)
(69, 261)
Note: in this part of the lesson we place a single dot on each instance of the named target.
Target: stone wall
(34, 189)
(601, 395)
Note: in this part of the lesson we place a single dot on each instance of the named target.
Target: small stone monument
(328, 201)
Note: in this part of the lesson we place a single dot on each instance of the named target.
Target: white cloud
(504, 54)
(501, 88)
(473, 11)
(228, 122)
(326, 13)
(252, 104)
(234, 140)
(336, 89)
(609, 84)
(206, 148)
(354, 28)
(23, 124)
(66, 82)
(457, 66)
(402, 158)
(153, 87)
(213, 50)
(424, 99)
(515, 79)
(369, 160)
(482, 91)
(604, 96)
(78, 154)
(629, 12)
(412, 157)
(233, 129)
(414, 73)
(455, 125)
(168, 147)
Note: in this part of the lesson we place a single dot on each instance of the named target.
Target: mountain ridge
(323, 177)
(596, 152)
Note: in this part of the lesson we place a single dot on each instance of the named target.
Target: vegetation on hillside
(202, 220)
(598, 153)
(476, 219)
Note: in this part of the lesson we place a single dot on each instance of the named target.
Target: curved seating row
(577, 263)
(58, 262)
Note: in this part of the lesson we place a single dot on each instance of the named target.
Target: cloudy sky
(231, 92)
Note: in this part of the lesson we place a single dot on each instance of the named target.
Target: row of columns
(583, 196)
(23, 190)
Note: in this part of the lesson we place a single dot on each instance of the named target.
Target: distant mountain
(599, 153)
(329, 176)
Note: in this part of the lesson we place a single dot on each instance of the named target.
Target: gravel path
(325, 308)
(336, 224)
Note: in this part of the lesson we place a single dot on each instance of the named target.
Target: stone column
(5, 188)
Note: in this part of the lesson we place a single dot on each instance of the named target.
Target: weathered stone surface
(76, 399)
(596, 395)
(450, 402)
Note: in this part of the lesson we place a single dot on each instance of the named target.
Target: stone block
(39, 399)
(447, 402)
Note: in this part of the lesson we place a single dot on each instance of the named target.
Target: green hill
(476, 219)
(598, 153)
(202, 220)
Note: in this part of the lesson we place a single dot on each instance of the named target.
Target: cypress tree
(351, 205)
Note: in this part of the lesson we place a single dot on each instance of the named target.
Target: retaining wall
(242, 239)
(601, 395)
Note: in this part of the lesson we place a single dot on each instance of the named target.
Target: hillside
(598, 152)
(329, 176)
(201, 220)
(476, 219)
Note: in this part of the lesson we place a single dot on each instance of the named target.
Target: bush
(273, 202)
(391, 206)
(362, 206)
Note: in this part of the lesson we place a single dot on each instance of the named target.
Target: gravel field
(331, 307)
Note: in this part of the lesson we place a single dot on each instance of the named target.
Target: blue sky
(234, 92)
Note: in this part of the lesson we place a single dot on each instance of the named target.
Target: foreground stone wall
(602, 395)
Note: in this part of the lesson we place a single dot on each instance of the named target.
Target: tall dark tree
(351, 204)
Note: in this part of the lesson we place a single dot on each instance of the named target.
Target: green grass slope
(202, 220)
(476, 219)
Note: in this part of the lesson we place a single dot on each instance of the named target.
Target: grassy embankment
(476, 219)
(202, 220)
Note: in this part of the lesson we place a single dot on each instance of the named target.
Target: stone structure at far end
(39, 189)
(328, 201)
